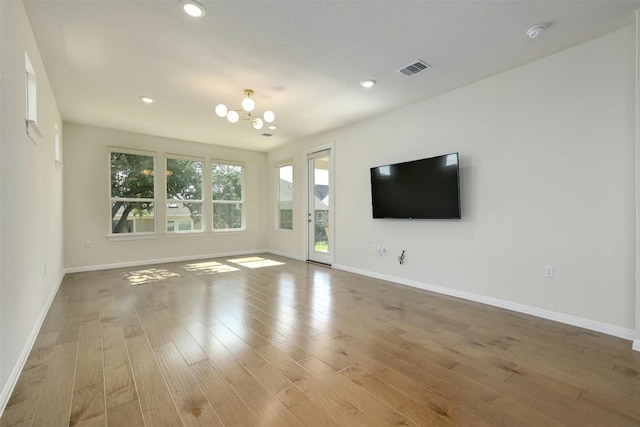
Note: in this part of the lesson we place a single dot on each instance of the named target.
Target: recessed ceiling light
(273, 127)
(193, 8)
(367, 83)
(146, 99)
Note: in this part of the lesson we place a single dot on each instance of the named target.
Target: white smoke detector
(534, 32)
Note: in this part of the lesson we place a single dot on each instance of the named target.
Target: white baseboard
(593, 325)
(161, 260)
(17, 369)
(288, 255)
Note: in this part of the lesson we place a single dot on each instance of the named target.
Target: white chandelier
(247, 107)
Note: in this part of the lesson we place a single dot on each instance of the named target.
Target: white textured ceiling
(303, 59)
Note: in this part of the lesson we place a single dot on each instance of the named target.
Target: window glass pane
(285, 197)
(226, 182)
(285, 219)
(131, 176)
(132, 193)
(31, 90)
(184, 216)
(184, 195)
(185, 225)
(132, 217)
(184, 179)
(227, 216)
(226, 185)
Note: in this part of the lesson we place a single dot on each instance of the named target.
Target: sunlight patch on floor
(210, 267)
(149, 275)
(255, 262)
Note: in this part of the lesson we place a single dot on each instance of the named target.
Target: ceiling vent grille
(414, 68)
(267, 134)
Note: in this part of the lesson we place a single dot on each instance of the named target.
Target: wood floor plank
(26, 423)
(222, 343)
(568, 410)
(311, 415)
(627, 410)
(379, 411)
(276, 383)
(118, 380)
(54, 405)
(153, 330)
(70, 328)
(263, 406)
(127, 414)
(322, 394)
(22, 404)
(155, 400)
(231, 409)
(186, 344)
(87, 407)
(215, 350)
(193, 407)
(403, 403)
(89, 366)
(373, 372)
(455, 388)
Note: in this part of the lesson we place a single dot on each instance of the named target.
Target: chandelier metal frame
(245, 113)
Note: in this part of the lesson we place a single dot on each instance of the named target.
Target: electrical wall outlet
(549, 271)
(375, 248)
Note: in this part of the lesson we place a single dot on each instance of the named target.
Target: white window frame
(133, 235)
(31, 100)
(228, 202)
(278, 167)
(57, 146)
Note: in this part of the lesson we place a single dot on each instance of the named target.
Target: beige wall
(31, 265)
(548, 178)
(87, 213)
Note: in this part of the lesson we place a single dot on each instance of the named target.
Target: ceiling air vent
(414, 68)
(267, 134)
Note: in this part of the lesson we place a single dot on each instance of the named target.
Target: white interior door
(319, 233)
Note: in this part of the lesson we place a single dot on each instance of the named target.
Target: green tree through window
(184, 194)
(132, 192)
(226, 180)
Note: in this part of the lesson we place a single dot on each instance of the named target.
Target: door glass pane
(321, 204)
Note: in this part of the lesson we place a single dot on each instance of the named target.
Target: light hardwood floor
(269, 341)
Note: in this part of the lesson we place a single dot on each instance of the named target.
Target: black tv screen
(420, 189)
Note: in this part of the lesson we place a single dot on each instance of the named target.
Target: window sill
(33, 131)
(230, 231)
(132, 236)
(177, 234)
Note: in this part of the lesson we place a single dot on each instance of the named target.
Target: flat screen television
(420, 189)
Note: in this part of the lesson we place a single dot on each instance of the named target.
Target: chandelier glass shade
(245, 113)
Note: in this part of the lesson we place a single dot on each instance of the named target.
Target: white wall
(548, 172)
(87, 205)
(636, 343)
(31, 265)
